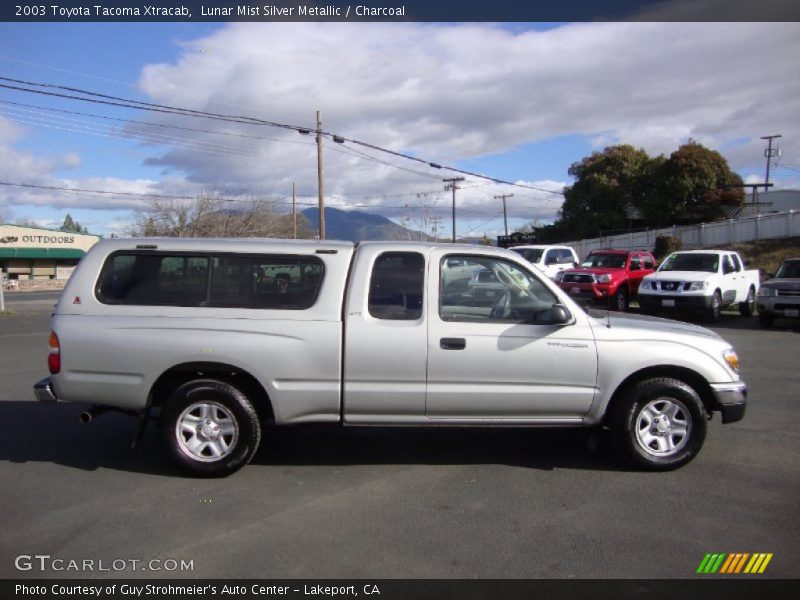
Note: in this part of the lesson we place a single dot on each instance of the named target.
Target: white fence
(705, 235)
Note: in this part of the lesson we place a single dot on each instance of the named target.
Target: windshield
(789, 270)
(691, 262)
(608, 261)
(530, 254)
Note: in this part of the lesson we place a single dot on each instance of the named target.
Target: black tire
(209, 428)
(713, 312)
(766, 320)
(748, 307)
(659, 424)
(619, 301)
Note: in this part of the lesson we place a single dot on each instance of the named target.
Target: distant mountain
(358, 226)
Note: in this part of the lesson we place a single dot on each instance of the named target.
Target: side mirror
(560, 314)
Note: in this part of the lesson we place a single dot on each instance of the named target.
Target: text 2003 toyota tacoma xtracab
(217, 337)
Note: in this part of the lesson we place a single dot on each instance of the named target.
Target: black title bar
(397, 10)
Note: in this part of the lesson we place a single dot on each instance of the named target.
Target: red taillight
(54, 358)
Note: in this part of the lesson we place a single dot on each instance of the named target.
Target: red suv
(609, 277)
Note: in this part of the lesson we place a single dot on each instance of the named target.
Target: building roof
(41, 253)
(46, 229)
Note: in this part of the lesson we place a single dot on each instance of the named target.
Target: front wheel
(714, 308)
(659, 424)
(619, 301)
(210, 428)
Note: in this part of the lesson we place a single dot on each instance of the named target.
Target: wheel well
(172, 379)
(689, 377)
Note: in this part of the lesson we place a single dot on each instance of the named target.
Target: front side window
(496, 291)
(220, 280)
(566, 256)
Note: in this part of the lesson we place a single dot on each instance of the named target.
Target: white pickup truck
(700, 281)
(218, 337)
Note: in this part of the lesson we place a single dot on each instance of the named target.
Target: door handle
(452, 343)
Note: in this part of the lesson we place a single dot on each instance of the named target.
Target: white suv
(549, 259)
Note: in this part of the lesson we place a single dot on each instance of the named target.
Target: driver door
(495, 350)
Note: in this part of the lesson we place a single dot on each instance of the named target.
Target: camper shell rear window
(221, 280)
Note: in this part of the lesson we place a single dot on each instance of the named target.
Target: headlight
(766, 292)
(732, 359)
(603, 278)
(697, 286)
(653, 285)
(559, 275)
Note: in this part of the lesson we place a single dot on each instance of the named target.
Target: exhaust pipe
(95, 411)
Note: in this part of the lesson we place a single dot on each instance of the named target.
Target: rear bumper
(43, 390)
(731, 399)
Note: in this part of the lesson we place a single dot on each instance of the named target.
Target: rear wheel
(659, 424)
(747, 307)
(210, 428)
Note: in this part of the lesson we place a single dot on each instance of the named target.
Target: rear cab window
(397, 285)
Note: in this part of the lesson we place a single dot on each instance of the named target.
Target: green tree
(605, 188)
(695, 184)
(72, 226)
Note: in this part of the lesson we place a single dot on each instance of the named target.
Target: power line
(162, 125)
(156, 196)
(149, 106)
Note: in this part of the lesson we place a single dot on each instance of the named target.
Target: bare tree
(420, 220)
(209, 215)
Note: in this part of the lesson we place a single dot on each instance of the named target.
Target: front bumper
(731, 399)
(779, 306)
(43, 390)
(587, 293)
(677, 303)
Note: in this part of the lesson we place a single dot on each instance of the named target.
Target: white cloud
(455, 92)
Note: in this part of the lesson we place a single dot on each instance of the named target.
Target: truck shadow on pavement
(33, 432)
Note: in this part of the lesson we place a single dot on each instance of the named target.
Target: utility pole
(769, 154)
(505, 214)
(435, 221)
(294, 213)
(321, 193)
(452, 184)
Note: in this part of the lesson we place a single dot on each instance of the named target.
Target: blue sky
(515, 103)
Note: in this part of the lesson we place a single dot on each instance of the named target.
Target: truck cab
(607, 277)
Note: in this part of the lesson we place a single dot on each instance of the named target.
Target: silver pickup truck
(217, 338)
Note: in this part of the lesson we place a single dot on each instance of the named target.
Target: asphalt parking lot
(327, 502)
